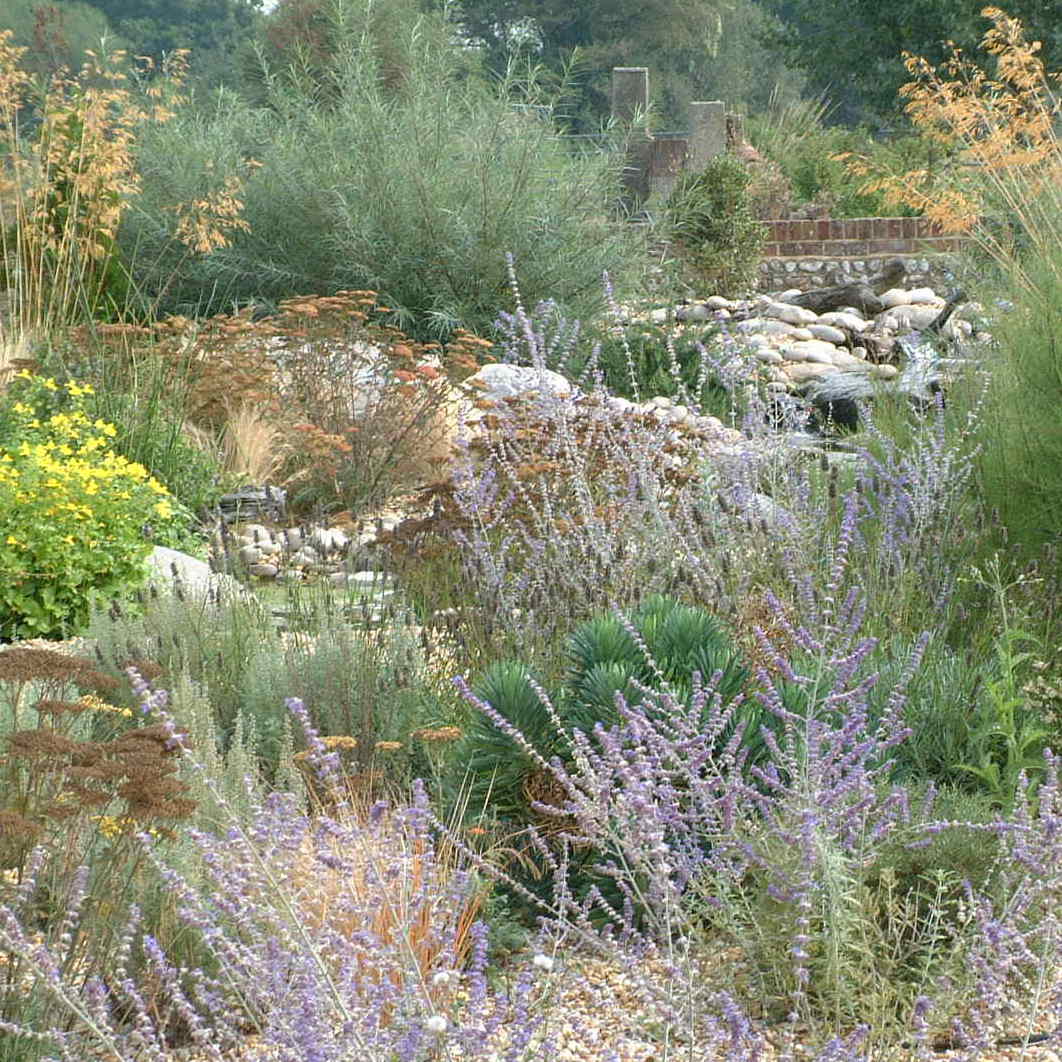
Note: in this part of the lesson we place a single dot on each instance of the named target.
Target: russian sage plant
(330, 938)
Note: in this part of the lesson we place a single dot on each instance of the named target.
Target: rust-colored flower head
(41, 747)
(24, 664)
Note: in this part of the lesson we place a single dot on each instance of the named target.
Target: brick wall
(856, 238)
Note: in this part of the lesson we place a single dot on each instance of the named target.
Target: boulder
(170, 570)
(498, 382)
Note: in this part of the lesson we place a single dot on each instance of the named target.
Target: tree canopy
(856, 60)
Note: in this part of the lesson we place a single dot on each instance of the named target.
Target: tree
(676, 39)
(56, 34)
(857, 60)
(211, 29)
(299, 40)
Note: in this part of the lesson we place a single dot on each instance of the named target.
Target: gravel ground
(602, 1012)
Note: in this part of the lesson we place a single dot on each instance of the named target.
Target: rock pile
(298, 553)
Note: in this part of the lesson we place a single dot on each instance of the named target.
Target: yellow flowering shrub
(76, 518)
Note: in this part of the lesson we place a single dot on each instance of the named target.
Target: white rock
(497, 382)
(904, 318)
(292, 538)
(794, 315)
(769, 356)
(717, 302)
(859, 352)
(884, 372)
(328, 540)
(368, 580)
(788, 294)
(814, 350)
(918, 295)
(826, 332)
(659, 316)
(764, 327)
(619, 404)
(165, 565)
(808, 371)
(845, 320)
(895, 297)
(849, 363)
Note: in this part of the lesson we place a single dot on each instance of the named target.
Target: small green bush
(74, 515)
(604, 660)
(711, 220)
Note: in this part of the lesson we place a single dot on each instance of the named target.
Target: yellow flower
(99, 705)
(51, 384)
(77, 390)
(12, 541)
(164, 509)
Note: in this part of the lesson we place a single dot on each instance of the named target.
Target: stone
(907, 318)
(250, 554)
(292, 538)
(813, 350)
(895, 297)
(769, 356)
(924, 295)
(827, 333)
(166, 566)
(659, 316)
(802, 373)
(267, 501)
(884, 372)
(842, 319)
(849, 362)
(694, 313)
(497, 382)
(717, 302)
(328, 540)
(794, 315)
(264, 571)
(369, 580)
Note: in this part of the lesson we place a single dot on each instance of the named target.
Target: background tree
(299, 40)
(676, 39)
(211, 29)
(856, 60)
(56, 34)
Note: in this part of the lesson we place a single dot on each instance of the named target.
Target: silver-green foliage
(416, 187)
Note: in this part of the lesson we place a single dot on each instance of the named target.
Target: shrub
(711, 221)
(76, 519)
(336, 937)
(366, 688)
(447, 178)
(69, 184)
(80, 777)
(660, 647)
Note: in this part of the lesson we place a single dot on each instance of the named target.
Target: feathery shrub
(416, 190)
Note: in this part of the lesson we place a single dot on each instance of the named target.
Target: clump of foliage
(451, 173)
(319, 396)
(1001, 132)
(659, 647)
(70, 178)
(362, 679)
(712, 223)
(80, 777)
(76, 518)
